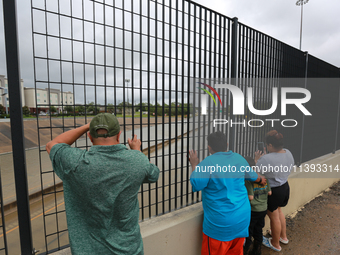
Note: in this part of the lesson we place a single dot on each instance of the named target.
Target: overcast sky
(281, 19)
(277, 18)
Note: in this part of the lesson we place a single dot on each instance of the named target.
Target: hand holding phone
(261, 150)
(260, 147)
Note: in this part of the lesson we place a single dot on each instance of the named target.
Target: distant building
(46, 97)
(39, 101)
(4, 92)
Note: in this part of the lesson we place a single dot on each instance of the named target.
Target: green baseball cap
(106, 121)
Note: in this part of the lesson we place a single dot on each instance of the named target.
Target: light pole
(301, 3)
(4, 94)
(127, 89)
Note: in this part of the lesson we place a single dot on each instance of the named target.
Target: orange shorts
(212, 246)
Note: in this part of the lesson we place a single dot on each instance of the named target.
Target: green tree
(159, 109)
(53, 109)
(92, 108)
(124, 105)
(110, 108)
(186, 109)
(26, 111)
(166, 110)
(80, 109)
(68, 109)
(151, 109)
(142, 106)
(181, 109)
(175, 109)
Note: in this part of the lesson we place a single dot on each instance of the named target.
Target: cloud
(281, 20)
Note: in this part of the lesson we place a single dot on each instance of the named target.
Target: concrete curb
(8, 208)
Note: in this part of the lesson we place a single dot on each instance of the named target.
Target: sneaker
(267, 242)
(281, 239)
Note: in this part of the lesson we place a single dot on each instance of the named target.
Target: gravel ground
(315, 230)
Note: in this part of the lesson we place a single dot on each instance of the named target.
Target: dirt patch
(316, 229)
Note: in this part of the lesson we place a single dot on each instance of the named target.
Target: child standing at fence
(258, 195)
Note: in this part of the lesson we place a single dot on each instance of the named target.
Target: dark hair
(217, 141)
(250, 161)
(274, 138)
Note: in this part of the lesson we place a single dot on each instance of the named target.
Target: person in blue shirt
(226, 207)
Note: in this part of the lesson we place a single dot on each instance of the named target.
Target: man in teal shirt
(101, 187)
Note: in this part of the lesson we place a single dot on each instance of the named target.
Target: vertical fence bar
(233, 68)
(199, 72)
(17, 128)
(176, 107)
(141, 100)
(149, 99)
(252, 69)
(207, 66)
(163, 104)
(183, 75)
(188, 109)
(222, 62)
(194, 80)
(262, 94)
(156, 103)
(170, 107)
(203, 68)
(243, 85)
(303, 117)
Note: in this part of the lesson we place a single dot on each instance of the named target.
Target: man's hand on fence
(134, 143)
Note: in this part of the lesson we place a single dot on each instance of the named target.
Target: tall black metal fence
(142, 59)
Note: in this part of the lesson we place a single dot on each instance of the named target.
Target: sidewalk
(315, 230)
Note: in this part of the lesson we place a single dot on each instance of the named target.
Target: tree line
(172, 109)
(148, 109)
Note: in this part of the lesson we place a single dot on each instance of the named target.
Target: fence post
(303, 116)
(337, 122)
(233, 74)
(19, 157)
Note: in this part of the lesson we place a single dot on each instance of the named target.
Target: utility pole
(301, 3)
